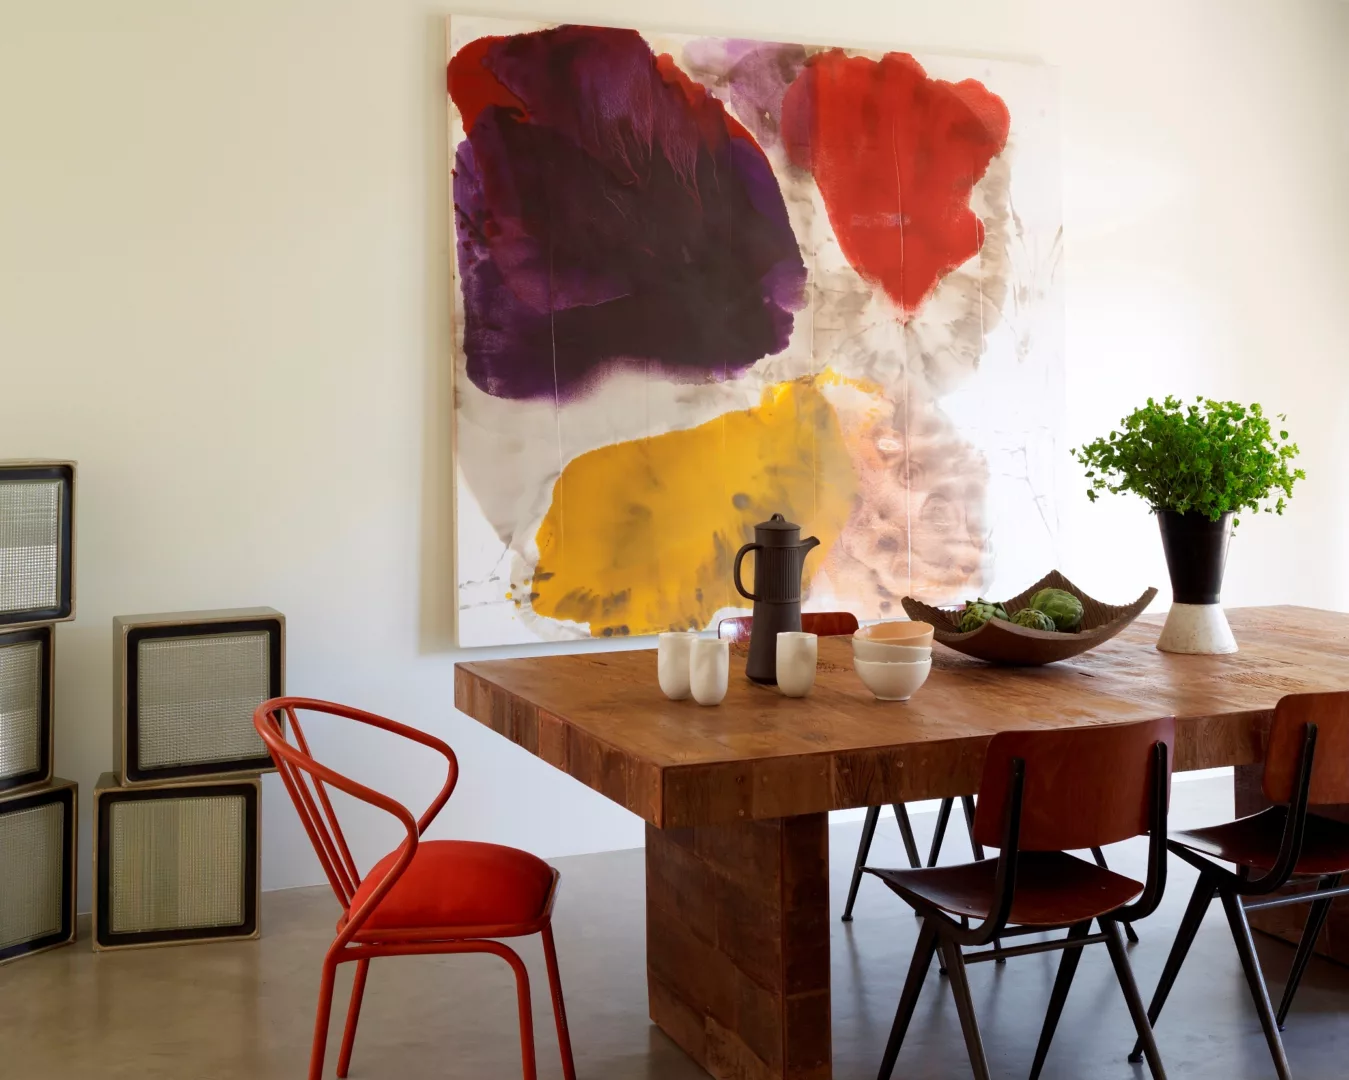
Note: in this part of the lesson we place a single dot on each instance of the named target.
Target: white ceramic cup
(797, 655)
(709, 669)
(672, 663)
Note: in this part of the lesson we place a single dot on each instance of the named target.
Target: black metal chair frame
(1231, 888)
(942, 931)
(939, 833)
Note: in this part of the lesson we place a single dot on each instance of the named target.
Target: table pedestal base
(737, 932)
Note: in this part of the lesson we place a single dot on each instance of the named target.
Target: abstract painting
(698, 281)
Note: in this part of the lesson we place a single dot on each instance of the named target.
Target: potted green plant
(1197, 466)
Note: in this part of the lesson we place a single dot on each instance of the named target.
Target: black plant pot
(1196, 555)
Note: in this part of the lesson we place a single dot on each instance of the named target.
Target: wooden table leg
(737, 945)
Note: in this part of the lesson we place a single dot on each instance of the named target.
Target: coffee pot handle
(739, 585)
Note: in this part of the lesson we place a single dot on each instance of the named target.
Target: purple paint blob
(621, 216)
(752, 75)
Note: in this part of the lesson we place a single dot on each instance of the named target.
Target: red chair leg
(321, 1022)
(526, 1012)
(353, 1015)
(559, 1008)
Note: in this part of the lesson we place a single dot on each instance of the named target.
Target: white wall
(223, 281)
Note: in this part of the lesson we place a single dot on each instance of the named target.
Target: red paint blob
(710, 114)
(473, 87)
(895, 155)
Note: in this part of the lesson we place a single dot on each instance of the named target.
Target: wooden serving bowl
(1001, 642)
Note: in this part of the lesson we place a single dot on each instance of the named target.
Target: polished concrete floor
(245, 1010)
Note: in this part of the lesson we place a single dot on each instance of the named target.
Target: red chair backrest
(1330, 767)
(1084, 787)
(823, 623)
(307, 782)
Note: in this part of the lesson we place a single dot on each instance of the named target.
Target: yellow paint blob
(641, 535)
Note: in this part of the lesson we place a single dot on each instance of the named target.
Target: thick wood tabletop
(601, 718)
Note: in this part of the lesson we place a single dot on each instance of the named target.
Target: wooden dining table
(736, 797)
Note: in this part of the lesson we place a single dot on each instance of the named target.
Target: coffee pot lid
(777, 524)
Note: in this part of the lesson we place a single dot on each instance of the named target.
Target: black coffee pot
(780, 556)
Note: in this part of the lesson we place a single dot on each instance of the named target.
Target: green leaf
(1211, 456)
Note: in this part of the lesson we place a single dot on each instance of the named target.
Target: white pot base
(1197, 629)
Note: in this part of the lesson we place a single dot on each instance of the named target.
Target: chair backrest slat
(1084, 787)
(333, 835)
(307, 781)
(1330, 767)
(821, 623)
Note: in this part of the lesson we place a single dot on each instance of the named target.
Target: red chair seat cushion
(458, 883)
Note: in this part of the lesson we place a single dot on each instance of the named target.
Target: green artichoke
(1063, 607)
(1035, 620)
(978, 613)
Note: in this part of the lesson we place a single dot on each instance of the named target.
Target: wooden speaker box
(186, 687)
(37, 542)
(26, 668)
(176, 863)
(37, 870)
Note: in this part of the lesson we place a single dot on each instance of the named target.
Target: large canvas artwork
(698, 281)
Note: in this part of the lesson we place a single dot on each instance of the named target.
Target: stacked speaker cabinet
(37, 813)
(177, 825)
(27, 667)
(175, 863)
(37, 870)
(37, 542)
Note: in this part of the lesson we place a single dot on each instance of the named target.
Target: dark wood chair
(1306, 764)
(976, 848)
(1042, 795)
(934, 851)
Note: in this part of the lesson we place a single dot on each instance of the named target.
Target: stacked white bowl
(893, 659)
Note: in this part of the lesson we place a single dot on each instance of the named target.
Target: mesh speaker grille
(20, 708)
(30, 532)
(176, 864)
(33, 860)
(196, 697)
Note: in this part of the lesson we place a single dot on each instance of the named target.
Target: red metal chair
(426, 896)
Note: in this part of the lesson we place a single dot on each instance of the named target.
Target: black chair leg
(1119, 956)
(1241, 933)
(939, 834)
(908, 1000)
(1316, 919)
(976, 848)
(906, 834)
(1062, 982)
(1130, 932)
(960, 989)
(863, 850)
(1189, 926)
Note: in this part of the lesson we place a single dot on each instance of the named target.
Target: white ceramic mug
(709, 669)
(672, 663)
(797, 655)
